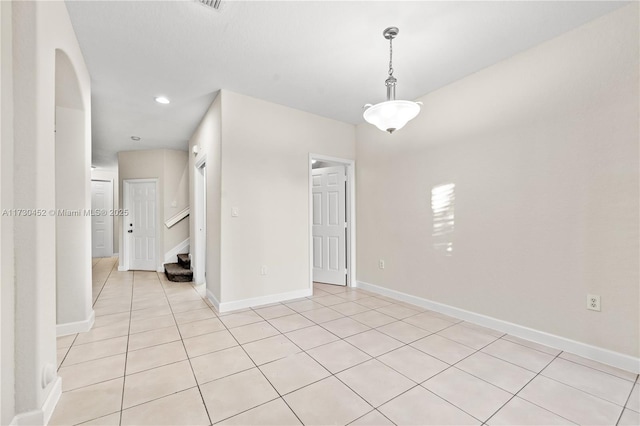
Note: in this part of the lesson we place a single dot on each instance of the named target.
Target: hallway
(159, 354)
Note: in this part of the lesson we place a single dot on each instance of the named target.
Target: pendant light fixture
(391, 115)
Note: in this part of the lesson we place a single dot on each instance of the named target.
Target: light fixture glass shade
(390, 116)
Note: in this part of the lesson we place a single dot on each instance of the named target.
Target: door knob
(130, 231)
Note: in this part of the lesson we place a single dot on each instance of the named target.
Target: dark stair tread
(177, 273)
(184, 261)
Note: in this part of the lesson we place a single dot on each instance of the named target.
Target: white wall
(543, 151)
(176, 195)
(263, 150)
(7, 294)
(39, 28)
(207, 139)
(265, 174)
(73, 233)
(112, 175)
(169, 167)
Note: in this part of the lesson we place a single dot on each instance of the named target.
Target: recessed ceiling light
(135, 138)
(162, 100)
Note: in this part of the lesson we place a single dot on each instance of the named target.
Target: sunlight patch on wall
(443, 207)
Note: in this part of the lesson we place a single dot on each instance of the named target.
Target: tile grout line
(627, 401)
(126, 356)
(206, 409)
(525, 385)
(258, 368)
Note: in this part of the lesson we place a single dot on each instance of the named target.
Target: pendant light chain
(391, 57)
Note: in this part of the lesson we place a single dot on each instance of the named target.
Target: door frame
(126, 205)
(200, 216)
(113, 203)
(350, 206)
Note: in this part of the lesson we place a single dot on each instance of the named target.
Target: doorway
(101, 224)
(332, 220)
(200, 207)
(140, 227)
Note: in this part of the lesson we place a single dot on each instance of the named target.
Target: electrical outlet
(263, 270)
(593, 302)
(381, 264)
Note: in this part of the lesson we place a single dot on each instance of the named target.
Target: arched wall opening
(72, 201)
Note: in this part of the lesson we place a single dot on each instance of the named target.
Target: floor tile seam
(158, 398)
(627, 402)
(301, 328)
(225, 376)
(509, 362)
(110, 313)
(596, 369)
(155, 344)
(91, 360)
(184, 347)
(102, 356)
(256, 406)
(135, 319)
(369, 412)
(124, 378)
(98, 339)
(342, 338)
(150, 307)
(406, 343)
(463, 344)
(344, 369)
(105, 281)
(578, 389)
(121, 376)
(96, 418)
(63, 358)
(451, 403)
(159, 366)
(463, 322)
(404, 375)
(362, 397)
(261, 372)
(455, 364)
(545, 408)
(529, 347)
(191, 321)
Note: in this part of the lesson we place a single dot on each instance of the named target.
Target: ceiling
(325, 57)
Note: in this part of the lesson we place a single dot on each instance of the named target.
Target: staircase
(181, 271)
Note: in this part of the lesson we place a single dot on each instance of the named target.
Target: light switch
(234, 212)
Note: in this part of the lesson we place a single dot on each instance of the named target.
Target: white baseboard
(43, 415)
(53, 398)
(212, 299)
(121, 268)
(76, 327)
(605, 356)
(257, 301)
(172, 255)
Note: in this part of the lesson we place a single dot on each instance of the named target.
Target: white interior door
(141, 226)
(101, 224)
(329, 225)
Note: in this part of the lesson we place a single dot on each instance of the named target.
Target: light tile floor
(160, 354)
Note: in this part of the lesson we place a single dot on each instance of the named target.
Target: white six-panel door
(101, 224)
(142, 224)
(329, 225)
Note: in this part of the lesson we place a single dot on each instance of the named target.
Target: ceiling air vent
(211, 3)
